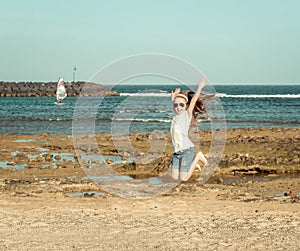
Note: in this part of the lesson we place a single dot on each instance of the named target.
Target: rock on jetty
(48, 89)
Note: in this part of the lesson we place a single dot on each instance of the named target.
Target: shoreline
(249, 155)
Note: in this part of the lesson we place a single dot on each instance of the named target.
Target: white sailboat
(60, 92)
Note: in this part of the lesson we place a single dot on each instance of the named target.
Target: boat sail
(60, 92)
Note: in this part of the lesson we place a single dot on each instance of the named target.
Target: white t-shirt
(179, 132)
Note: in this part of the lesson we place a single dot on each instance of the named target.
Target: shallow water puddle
(103, 158)
(63, 157)
(41, 149)
(7, 164)
(84, 194)
(154, 181)
(29, 140)
(32, 156)
(283, 194)
(107, 178)
(57, 158)
(151, 180)
(16, 153)
(53, 165)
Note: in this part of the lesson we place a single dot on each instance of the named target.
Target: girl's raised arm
(201, 84)
(174, 93)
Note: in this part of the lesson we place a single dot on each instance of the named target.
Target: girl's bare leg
(175, 174)
(202, 158)
(184, 176)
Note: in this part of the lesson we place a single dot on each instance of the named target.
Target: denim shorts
(182, 160)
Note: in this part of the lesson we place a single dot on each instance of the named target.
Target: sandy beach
(97, 96)
(250, 203)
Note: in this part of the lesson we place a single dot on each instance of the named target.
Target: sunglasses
(180, 104)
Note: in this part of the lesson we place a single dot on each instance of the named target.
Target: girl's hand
(202, 82)
(174, 93)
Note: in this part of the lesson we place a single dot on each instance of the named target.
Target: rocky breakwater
(48, 89)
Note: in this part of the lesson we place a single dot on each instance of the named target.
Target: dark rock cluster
(280, 152)
(48, 89)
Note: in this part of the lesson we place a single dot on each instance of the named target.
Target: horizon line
(156, 83)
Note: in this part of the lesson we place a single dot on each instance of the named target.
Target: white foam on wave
(220, 95)
(146, 94)
(142, 120)
(140, 111)
(154, 120)
(224, 95)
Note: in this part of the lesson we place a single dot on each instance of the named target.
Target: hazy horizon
(157, 83)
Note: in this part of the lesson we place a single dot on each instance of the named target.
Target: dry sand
(239, 208)
(170, 223)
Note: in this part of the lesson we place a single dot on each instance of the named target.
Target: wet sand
(250, 203)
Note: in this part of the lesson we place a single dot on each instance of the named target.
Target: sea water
(147, 108)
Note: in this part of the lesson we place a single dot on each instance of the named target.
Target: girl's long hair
(199, 108)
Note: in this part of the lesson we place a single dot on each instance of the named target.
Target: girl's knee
(175, 175)
(184, 176)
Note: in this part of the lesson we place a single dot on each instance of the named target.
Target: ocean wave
(224, 95)
(259, 122)
(146, 94)
(141, 111)
(220, 95)
(142, 120)
(153, 120)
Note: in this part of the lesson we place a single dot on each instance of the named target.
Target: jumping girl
(184, 162)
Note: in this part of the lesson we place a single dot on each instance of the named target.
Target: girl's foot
(199, 167)
(202, 158)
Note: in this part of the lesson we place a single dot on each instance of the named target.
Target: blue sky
(231, 41)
